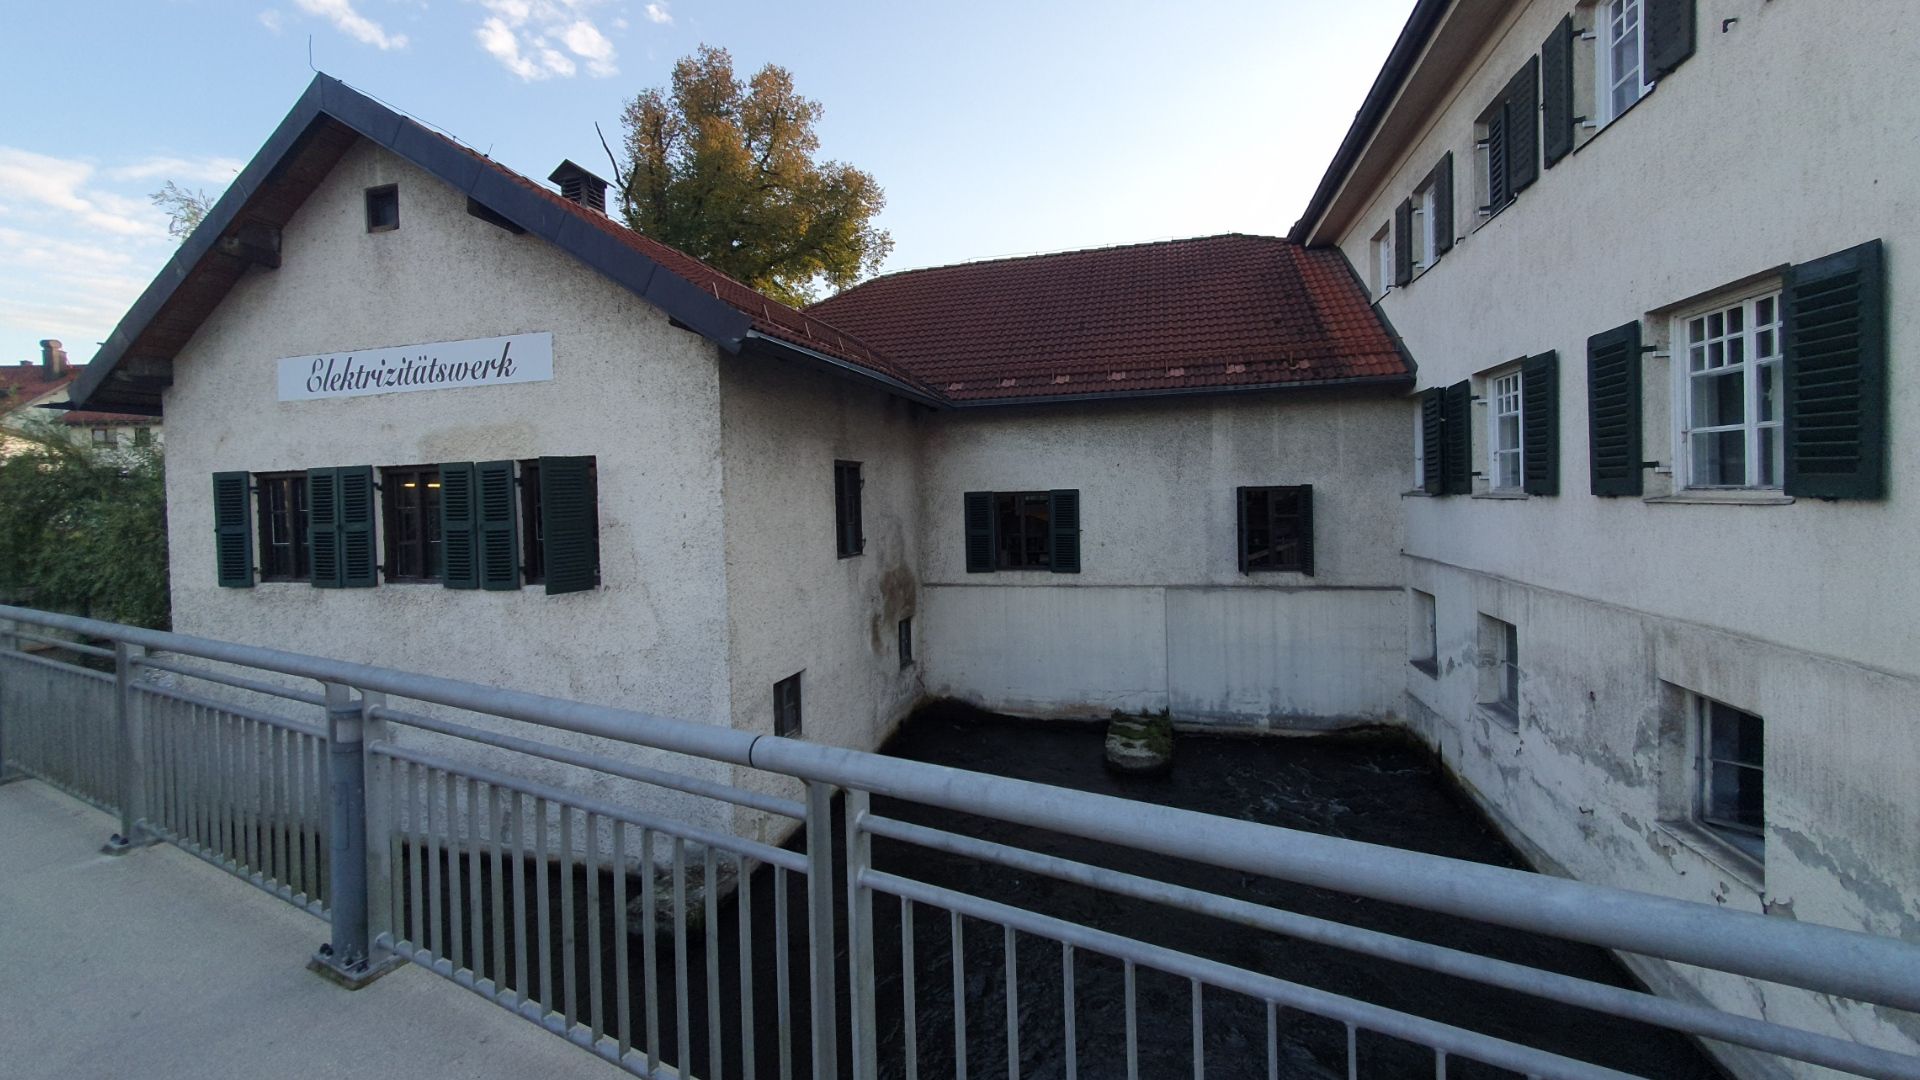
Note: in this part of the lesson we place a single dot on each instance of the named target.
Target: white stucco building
(1568, 430)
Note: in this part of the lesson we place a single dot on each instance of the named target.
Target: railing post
(820, 950)
(860, 973)
(347, 958)
(132, 758)
(8, 643)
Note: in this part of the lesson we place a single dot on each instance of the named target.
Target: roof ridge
(1033, 255)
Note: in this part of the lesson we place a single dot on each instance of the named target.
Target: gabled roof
(1181, 316)
(22, 384)
(129, 371)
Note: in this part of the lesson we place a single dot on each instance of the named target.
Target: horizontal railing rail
(472, 833)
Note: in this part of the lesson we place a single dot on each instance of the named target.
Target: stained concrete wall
(639, 395)
(794, 605)
(1779, 141)
(1160, 617)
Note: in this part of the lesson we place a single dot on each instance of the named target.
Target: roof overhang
(1431, 54)
(133, 365)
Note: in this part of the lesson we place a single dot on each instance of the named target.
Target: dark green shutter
(1403, 242)
(1670, 34)
(1442, 183)
(1835, 375)
(1433, 454)
(1306, 529)
(496, 521)
(232, 539)
(1613, 410)
(1457, 435)
(1499, 193)
(1240, 535)
(1556, 92)
(459, 557)
(569, 523)
(979, 532)
(358, 560)
(1523, 128)
(1063, 515)
(1540, 424)
(323, 527)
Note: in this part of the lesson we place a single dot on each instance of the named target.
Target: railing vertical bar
(782, 985)
(296, 819)
(743, 908)
(1067, 1010)
(250, 846)
(476, 887)
(1273, 1041)
(543, 902)
(321, 818)
(396, 845)
(569, 935)
(861, 970)
(959, 997)
(649, 949)
(1133, 1022)
(222, 796)
(1013, 1004)
(230, 796)
(622, 950)
(683, 1025)
(190, 766)
(495, 823)
(596, 971)
(1439, 1065)
(909, 999)
(1199, 1034)
(436, 940)
(456, 913)
(821, 960)
(1353, 1053)
(308, 793)
(417, 857)
(203, 733)
(522, 975)
(710, 868)
(276, 869)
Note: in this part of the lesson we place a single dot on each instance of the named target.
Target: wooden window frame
(298, 556)
(385, 194)
(426, 545)
(1300, 533)
(1752, 367)
(1506, 399)
(1026, 559)
(1607, 31)
(533, 545)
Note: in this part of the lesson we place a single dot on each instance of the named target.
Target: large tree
(725, 170)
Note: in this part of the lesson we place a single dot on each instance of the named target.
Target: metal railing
(542, 853)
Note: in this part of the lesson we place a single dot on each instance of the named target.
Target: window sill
(1730, 497)
(1429, 668)
(1501, 495)
(1500, 713)
(1702, 841)
(1417, 493)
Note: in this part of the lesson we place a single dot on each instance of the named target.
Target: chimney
(53, 359)
(580, 186)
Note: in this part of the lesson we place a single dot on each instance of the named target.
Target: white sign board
(437, 365)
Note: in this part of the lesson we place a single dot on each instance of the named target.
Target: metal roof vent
(580, 186)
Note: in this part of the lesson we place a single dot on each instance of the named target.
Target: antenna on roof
(316, 70)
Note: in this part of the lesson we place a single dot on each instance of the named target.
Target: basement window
(786, 706)
(906, 642)
(1732, 775)
(1423, 635)
(1500, 671)
(851, 539)
(383, 208)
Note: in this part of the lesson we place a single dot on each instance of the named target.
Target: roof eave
(759, 342)
(1364, 381)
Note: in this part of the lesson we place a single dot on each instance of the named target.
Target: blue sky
(995, 129)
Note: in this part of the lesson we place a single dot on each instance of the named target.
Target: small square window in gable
(383, 208)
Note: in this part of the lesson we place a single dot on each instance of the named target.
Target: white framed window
(1729, 374)
(1382, 261)
(1732, 774)
(1620, 57)
(1420, 449)
(1426, 247)
(1503, 431)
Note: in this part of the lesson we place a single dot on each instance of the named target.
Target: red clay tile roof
(1210, 312)
(24, 383)
(770, 317)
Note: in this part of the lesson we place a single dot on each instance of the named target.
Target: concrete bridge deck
(156, 965)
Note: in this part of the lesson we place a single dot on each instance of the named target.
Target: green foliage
(725, 171)
(185, 208)
(83, 529)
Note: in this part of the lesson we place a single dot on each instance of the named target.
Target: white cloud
(82, 242)
(352, 23)
(658, 13)
(273, 20)
(211, 170)
(533, 38)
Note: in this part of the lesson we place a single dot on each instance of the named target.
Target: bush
(83, 529)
